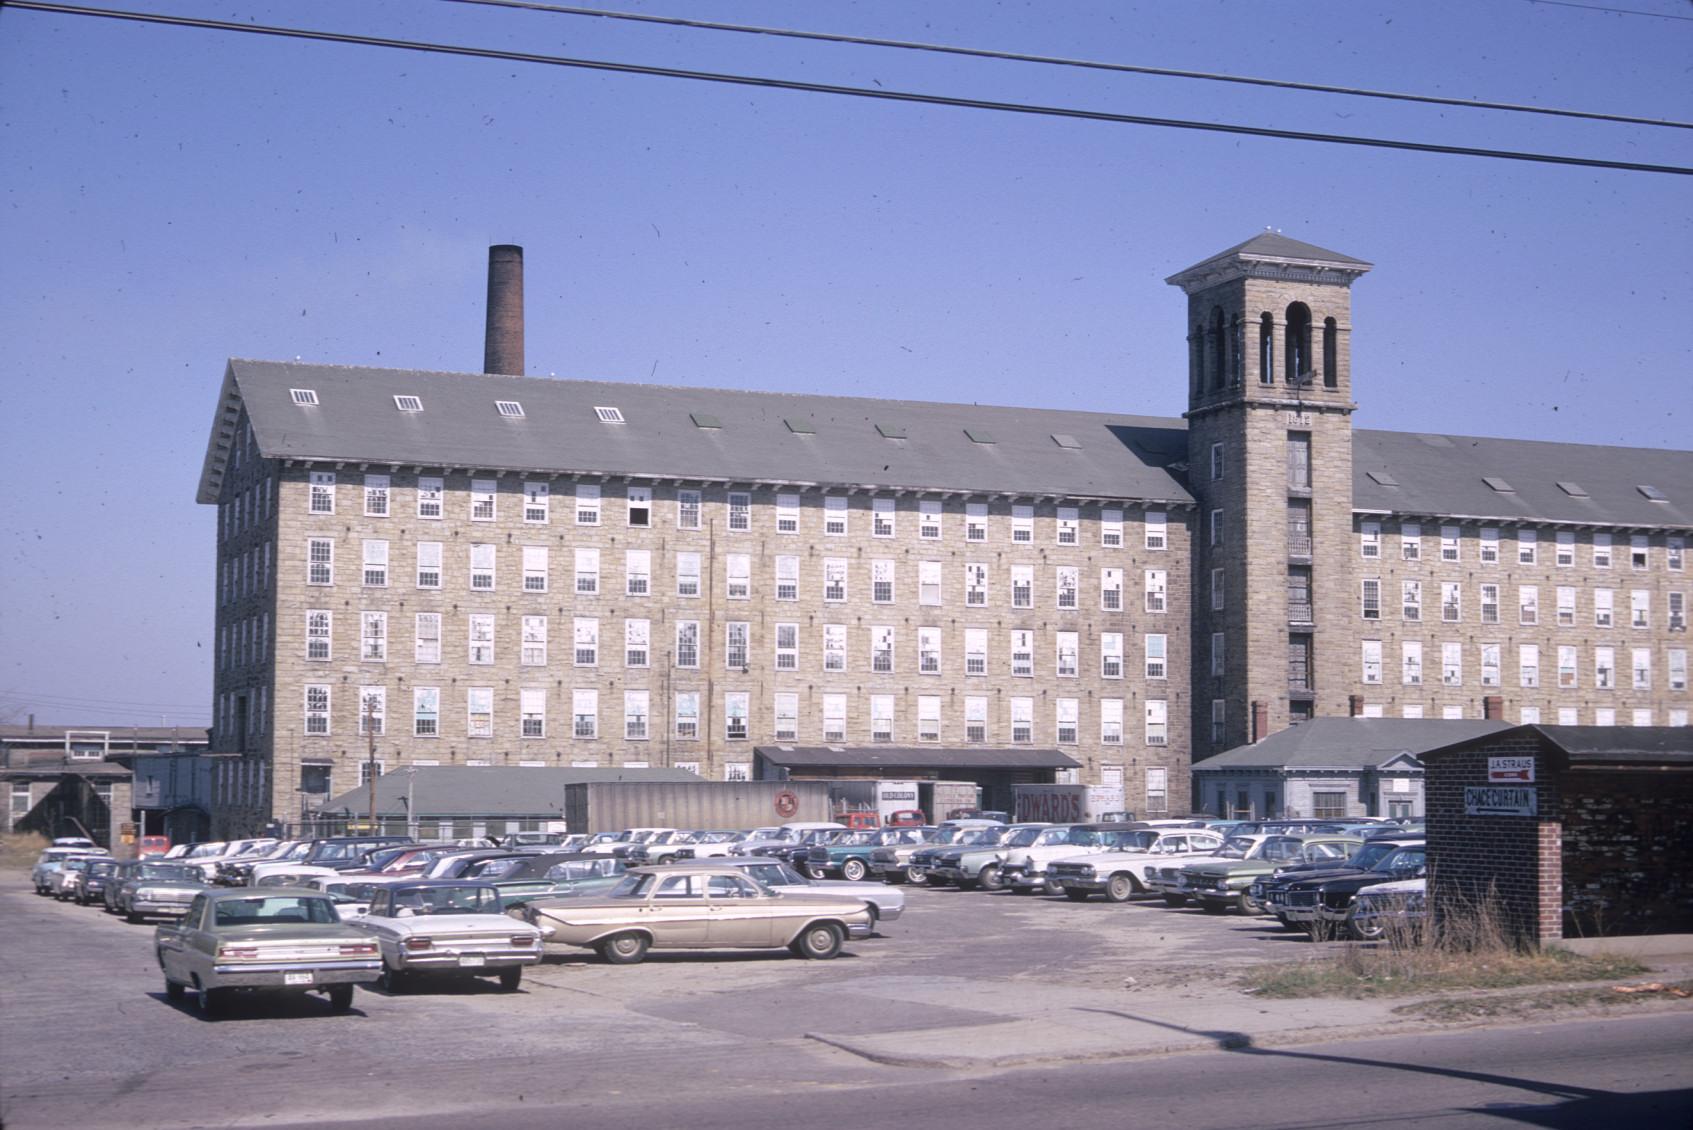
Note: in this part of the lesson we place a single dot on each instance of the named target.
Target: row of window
(1451, 607)
(1604, 665)
(585, 650)
(1564, 715)
(972, 725)
(482, 575)
(588, 507)
(1527, 549)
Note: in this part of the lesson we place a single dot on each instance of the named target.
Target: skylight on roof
(509, 407)
(977, 435)
(705, 420)
(1382, 478)
(1063, 439)
(1652, 493)
(1498, 484)
(303, 396)
(800, 427)
(609, 415)
(891, 431)
(408, 403)
(1574, 490)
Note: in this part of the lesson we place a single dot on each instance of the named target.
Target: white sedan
(450, 928)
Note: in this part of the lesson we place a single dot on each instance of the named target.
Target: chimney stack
(503, 351)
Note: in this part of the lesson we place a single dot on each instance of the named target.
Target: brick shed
(1578, 830)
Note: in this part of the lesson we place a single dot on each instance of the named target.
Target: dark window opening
(1266, 350)
(1219, 350)
(1296, 353)
(1331, 354)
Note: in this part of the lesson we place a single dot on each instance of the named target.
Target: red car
(907, 818)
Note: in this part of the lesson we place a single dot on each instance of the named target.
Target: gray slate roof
(1349, 743)
(915, 757)
(486, 790)
(1658, 746)
(1275, 245)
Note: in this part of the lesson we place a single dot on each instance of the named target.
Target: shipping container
(611, 806)
(1066, 804)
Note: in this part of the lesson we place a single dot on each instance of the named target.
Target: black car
(1322, 901)
(346, 853)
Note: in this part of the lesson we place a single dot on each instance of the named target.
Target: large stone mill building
(492, 569)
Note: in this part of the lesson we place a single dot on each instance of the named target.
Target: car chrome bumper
(859, 930)
(152, 906)
(446, 959)
(888, 913)
(261, 975)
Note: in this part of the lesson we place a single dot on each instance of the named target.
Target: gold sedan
(700, 906)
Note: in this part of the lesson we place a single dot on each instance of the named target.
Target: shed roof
(915, 757)
(1589, 746)
(485, 790)
(1350, 744)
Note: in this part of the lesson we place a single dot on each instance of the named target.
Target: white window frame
(484, 499)
(431, 497)
(588, 500)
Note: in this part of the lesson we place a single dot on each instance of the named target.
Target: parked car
(1397, 905)
(263, 940)
(860, 821)
(1220, 883)
(661, 848)
(345, 853)
(62, 882)
(157, 890)
(970, 867)
(702, 906)
(1121, 872)
(448, 928)
(850, 856)
(149, 847)
(907, 818)
(89, 885)
(1023, 870)
(886, 903)
(44, 876)
(579, 877)
(1322, 901)
(913, 865)
(766, 840)
(1373, 849)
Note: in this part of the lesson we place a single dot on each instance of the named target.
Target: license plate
(297, 978)
(472, 959)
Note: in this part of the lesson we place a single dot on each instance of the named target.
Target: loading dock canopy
(905, 758)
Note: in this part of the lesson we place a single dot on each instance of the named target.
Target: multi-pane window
(1528, 658)
(688, 643)
(483, 495)
(534, 650)
(975, 651)
(834, 579)
(640, 512)
(637, 572)
(587, 504)
(1564, 548)
(426, 634)
(834, 647)
(479, 712)
(1216, 462)
(1218, 658)
(428, 564)
(929, 718)
(1604, 668)
(317, 708)
(587, 570)
(930, 583)
(975, 720)
(1156, 533)
(1023, 653)
(1528, 604)
(585, 713)
(975, 521)
(1568, 677)
(1068, 647)
(585, 638)
(687, 714)
(1451, 604)
(373, 637)
(882, 649)
(1369, 540)
(787, 578)
(1156, 582)
(1412, 602)
(835, 515)
(1675, 549)
(1451, 664)
(687, 574)
(735, 636)
(928, 651)
(482, 566)
(1068, 583)
(687, 510)
(1022, 522)
(480, 640)
(1111, 721)
(1022, 721)
(637, 642)
(376, 496)
(881, 517)
(786, 711)
(1566, 606)
(1157, 722)
(1601, 551)
(787, 647)
(532, 712)
(929, 519)
(1067, 717)
(426, 712)
(1487, 546)
(1639, 553)
(882, 581)
(1677, 664)
(1411, 541)
(1219, 588)
(1449, 543)
(1372, 661)
(1677, 602)
(1111, 528)
(1216, 527)
(1489, 604)
(787, 513)
(318, 621)
(834, 717)
(430, 492)
(1157, 655)
(1370, 598)
(1489, 664)
(1111, 590)
(1411, 669)
(322, 497)
(636, 705)
(320, 561)
(1111, 655)
(881, 717)
(740, 511)
(1528, 543)
(1640, 608)
(1022, 585)
(537, 501)
(737, 576)
(1603, 608)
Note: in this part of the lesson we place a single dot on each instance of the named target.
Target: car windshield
(852, 839)
(1020, 837)
(1405, 861)
(603, 838)
(359, 891)
(165, 871)
(1281, 848)
(1237, 847)
(261, 911)
(572, 869)
(1141, 840)
(715, 837)
(469, 898)
(1370, 854)
(201, 851)
(498, 868)
(336, 851)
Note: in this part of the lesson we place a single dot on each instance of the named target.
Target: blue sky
(174, 197)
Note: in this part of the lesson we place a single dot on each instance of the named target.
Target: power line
(70, 701)
(1613, 11)
(1050, 60)
(845, 91)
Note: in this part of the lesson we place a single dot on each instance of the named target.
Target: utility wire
(1087, 64)
(844, 91)
(1613, 11)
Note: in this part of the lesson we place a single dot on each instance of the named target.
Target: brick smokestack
(503, 351)
(1493, 707)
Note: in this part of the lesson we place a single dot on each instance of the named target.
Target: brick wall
(1627, 852)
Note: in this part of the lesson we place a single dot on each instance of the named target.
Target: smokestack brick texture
(503, 349)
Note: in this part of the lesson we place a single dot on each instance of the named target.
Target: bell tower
(1270, 461)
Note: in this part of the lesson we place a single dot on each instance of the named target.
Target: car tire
(210, 1001)
(624, 949)
(340, 997)
(1175, 900)
(393, 980)
(1371, 933)
(1246, 906)
(510, 978)
(819, 941)
(917, 877)
(989, 878)
(854, 870)
(174, 991)
(1074, 895)
(1119, 888)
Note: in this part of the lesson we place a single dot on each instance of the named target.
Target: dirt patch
(1361, 973)
(20, 850)
(1524, 1006)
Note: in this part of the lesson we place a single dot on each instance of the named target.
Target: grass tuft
(20, 850)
